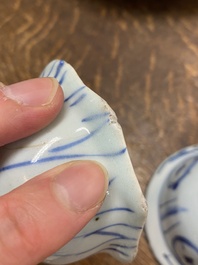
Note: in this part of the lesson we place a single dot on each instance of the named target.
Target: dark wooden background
(141, 56)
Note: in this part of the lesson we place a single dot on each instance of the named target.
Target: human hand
(42, 215)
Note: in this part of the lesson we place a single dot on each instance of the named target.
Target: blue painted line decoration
(178, 155)
(84, 130)
(172, 211)
(181, 173)
(185, 250)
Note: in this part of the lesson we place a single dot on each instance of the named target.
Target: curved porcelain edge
(153, 226)
(123, 251)
(86, 128)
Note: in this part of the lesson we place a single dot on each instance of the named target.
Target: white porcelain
(86, 128)
(172, 195)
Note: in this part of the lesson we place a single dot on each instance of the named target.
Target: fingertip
(59, 202)
(28, 106)
(81, 185)
(33, 93)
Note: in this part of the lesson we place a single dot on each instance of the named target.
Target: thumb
(55, 205)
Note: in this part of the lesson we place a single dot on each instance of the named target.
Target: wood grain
(141, 56)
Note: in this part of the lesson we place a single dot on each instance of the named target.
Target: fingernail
(81, 186)
(33, 92)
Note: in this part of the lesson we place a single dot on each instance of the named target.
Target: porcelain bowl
(172, 194)
(86, 128)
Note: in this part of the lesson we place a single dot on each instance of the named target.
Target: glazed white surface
(172, 201)
(86, 128)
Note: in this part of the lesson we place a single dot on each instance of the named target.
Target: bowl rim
(153, 229)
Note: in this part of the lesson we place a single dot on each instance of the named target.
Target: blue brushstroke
(95, 116)
(111, 180)
(62, 78)
(176, 183)
(75, 93)
(183, 152)
(58, 254)
(21, 164)
(59, 67)
(102, 231)
(116, 210)
(116, 250)
(173, 211)
(171, 227)
(179, 170)
(167, 258)
(79, 141)
(109, 233)
(78, 100)
(61, 157)
(73, 156)
(167, 202)
(178, 155)
(186, 243)
(121, 246)
(52, 68)
(44, 74)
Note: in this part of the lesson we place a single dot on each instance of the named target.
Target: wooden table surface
(141, 56)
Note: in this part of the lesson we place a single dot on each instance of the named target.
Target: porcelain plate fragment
(86, 128)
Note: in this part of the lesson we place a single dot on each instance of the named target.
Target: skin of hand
(42, 215)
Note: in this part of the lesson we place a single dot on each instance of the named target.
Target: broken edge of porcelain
(86, 128)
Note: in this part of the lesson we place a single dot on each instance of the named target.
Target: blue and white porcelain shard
(172, 197)
(86, 128)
